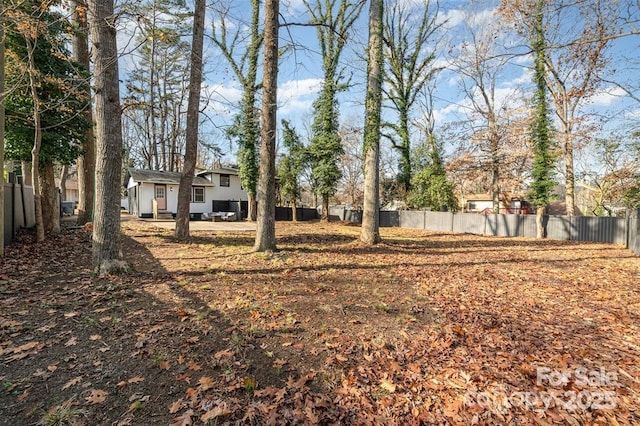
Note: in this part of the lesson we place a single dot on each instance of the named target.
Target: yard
(425, 328)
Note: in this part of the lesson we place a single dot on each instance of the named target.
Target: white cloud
(608, 96)
(297, 96)
(223, 99)
(453, 18)
(632, 114)
(291, 8)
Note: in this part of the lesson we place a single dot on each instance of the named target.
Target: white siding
(233, 192)
(145, 198)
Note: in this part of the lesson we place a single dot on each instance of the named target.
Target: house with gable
(154, 193)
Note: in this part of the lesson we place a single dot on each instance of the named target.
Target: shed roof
(157, 176)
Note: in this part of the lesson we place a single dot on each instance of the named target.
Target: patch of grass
(250, 384)
(62, 415)
(331, 377)
(90, 321)
(382, 307)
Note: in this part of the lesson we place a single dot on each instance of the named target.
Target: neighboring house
(71, 192)
(483, 203)
(217, 190)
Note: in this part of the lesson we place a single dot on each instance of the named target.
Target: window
(197, 194)
(225, 180)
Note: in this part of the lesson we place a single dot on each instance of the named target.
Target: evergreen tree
(243, 57)
(430, 187)
(333, 20)
(543, 176)
(290, 167)
(325, 147)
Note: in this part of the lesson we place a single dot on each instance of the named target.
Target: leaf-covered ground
(425, 328)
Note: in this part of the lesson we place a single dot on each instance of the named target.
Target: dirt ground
(426, 328)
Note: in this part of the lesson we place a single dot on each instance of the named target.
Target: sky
(300, 72)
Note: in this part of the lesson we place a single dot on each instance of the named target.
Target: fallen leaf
(164, 365)
(97, 396)
(183, 420)
(221, 410)
(226, 353)
(95, 337)
(387, 385)
(71, 342)
(72, 382)
(136, 379)
(194, 366)
(176, 406)
(341, 358)
(206, 383)
(279, 363)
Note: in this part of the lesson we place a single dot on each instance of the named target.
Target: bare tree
(481, 62)
(107, 255)
(370, 232)
(266, 230)
(193, 111)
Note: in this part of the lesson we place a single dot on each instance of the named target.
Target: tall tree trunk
(63, 182)
(86, 163)
(2, 95)
(107, 256)
(569, 176)
(294, 210)
(540, 230)
(49, 200)
(37, 142)
(252, 207)
(266, 227)
(495, 185)
(325, 216)
(191, 148)
(370, 231)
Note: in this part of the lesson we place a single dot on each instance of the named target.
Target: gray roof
(156, 176)
(223, 171)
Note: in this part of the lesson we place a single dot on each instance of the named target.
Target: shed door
(161, 196)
